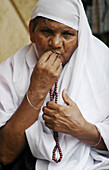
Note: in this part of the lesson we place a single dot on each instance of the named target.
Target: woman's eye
(46, 32)
(68, 35)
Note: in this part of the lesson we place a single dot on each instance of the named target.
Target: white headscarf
(61, 11)
(85, 76)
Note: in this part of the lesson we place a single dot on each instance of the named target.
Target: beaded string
(55, 134)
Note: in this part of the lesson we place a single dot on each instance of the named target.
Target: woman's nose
(56, 41)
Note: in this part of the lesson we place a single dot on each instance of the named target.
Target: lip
(57, 53)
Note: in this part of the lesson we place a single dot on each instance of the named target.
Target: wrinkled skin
(44, 76)
(66, 119)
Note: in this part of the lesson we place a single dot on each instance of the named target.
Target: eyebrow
(50, 28)
(47, 24)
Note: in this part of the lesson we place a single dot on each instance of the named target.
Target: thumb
(66, 98)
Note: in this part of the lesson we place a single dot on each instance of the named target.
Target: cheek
(73, 47)
(69, 49)
(41, 44)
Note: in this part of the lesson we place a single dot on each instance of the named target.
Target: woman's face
(53, 36)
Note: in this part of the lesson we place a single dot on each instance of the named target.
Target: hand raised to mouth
(46, 72)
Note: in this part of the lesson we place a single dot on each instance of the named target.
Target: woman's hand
(46, 72)
(66, 119)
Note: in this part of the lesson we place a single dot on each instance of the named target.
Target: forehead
(44, 22)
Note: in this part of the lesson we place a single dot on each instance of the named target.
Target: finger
(59, 69)
(66, 98)
(47, 111)
(51, 59)
(45, 57)
(46, 118)
(57, 63)
(52, 105)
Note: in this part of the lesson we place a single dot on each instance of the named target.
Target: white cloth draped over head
(61, 11)
(86, 78)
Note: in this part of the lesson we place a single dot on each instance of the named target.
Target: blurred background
(15, 16)
(97, 12)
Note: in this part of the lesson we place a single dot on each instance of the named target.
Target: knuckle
(56, 75)
(41, 66)
(61, 108)
(52, 72)
(38, 64)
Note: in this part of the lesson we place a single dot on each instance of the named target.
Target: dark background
(97, 12)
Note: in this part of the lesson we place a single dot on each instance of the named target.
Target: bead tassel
(52, 96)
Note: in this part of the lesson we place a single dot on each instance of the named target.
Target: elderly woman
(54, 93)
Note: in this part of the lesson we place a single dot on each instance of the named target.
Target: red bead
(52, 95)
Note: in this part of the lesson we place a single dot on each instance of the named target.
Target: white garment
(85, 77)
(14, 83)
